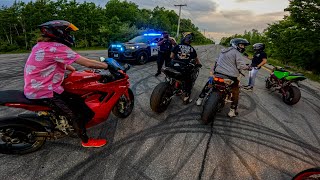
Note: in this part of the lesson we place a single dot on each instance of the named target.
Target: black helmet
(236, 41)
(187, 36)
(59, 31)
(259, 47)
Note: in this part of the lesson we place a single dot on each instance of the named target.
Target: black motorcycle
(174, 85)
(218, 94)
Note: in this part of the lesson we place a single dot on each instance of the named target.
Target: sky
(217, 18)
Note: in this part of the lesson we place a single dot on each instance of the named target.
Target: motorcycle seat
(14, 96)
(296, 74)
(172, 72)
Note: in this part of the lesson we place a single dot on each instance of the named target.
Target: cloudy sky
(217, 18)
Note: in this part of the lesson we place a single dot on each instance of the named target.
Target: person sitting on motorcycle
(229, 63)
(44, 73)
(185, 52)
(259, 59)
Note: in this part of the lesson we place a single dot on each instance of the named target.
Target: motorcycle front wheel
(268, 83)
(161, 97)
(210, 108)
(16, 136)
(123, 108)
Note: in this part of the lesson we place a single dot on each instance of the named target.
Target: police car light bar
(115, 45)
(152, 34)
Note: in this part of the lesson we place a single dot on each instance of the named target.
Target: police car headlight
(131, 47)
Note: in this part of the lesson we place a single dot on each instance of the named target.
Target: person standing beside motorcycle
(44, 73)
(230, 63)
(185, 52)
(259, 59)
(166, 43)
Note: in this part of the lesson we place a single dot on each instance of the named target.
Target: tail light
(218, 79)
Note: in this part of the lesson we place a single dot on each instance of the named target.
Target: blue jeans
(252, 76)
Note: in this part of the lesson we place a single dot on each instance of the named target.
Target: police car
(139, 49)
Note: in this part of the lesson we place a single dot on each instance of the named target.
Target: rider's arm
(172, 55)
(263, 56)
(91, 63)
(264, 61)
(70, 68)
(241, 64)
(160, 42)
(197, 60)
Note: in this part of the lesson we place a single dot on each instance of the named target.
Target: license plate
(116, 55)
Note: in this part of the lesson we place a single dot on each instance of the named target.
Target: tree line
(99, 26)
(295, 39)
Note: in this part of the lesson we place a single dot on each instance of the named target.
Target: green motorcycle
(282, 80)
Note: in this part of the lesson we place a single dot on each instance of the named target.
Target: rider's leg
(160, 62)
(234, 99)
(66, 106)
(202, 94)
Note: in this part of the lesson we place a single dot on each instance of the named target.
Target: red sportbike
(103, 92)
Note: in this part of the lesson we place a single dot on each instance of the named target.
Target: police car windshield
(142, 39)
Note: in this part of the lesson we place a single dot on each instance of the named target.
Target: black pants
(188, 83)
(74, 109)
(163, 57)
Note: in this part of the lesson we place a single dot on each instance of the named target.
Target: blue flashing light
(137, 47)
(154, 44)
(152, 34)
(116, 45)
(121, 49)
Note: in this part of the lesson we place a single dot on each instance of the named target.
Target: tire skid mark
(263, 142)
(311, 128)
(145, 134)
(261, 160)
(184, 162)
(270, 133)
(205, 154)
(287, 129)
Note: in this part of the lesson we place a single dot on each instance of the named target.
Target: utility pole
(180, 5)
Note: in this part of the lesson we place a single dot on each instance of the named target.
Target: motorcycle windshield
(112, 62)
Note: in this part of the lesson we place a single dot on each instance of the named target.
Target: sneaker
(199, 101)
(187, 99)
(249, 88)
(245, 86)
(94, 143)
(232, 113)
(157, 74)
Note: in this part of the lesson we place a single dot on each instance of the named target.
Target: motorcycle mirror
(102, 59)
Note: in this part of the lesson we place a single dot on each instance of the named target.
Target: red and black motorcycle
(103, 92)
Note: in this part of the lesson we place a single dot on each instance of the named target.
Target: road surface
(268, 140)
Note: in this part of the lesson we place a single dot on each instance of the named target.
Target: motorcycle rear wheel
(124, 106)
(210, 108)
(16, 136)
(160, 97)
(292, 96)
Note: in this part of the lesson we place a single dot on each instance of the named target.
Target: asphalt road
(268, 140)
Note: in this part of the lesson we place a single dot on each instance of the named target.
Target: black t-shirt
(184, 52)
(166, 46)
(257, 58)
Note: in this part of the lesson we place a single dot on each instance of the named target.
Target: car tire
(142, 58)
